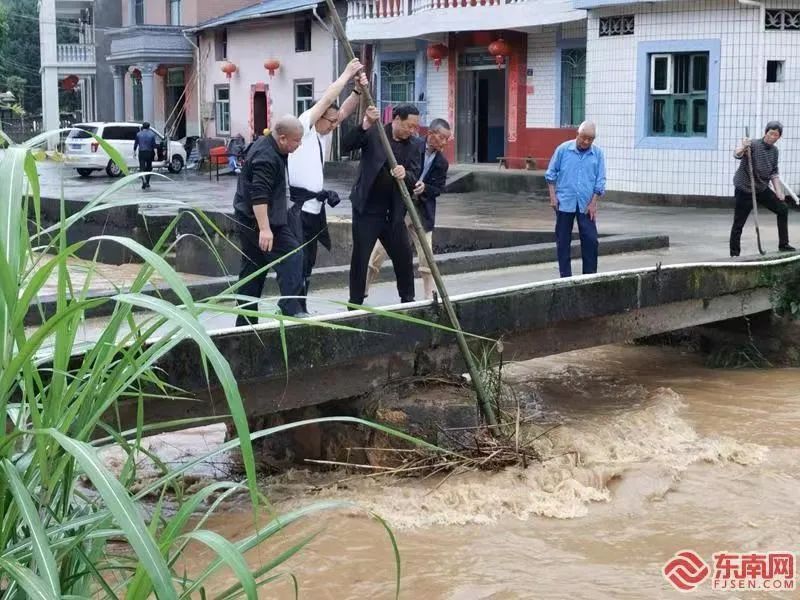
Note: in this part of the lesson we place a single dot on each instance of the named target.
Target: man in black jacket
(261, 211)
(434, 176)
(378, 209)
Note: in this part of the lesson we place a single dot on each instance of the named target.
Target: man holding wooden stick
(484, 399)
(378, 208)
(306, 168)
(434, 176)
(764, 162)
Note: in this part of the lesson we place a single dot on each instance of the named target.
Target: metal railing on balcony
(423, 5)
(76, 55)
(379, 9)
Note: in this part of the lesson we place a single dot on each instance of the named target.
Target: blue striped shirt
(577, 176)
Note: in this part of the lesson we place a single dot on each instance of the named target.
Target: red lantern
(161, 71)
(436, 53)
(70, 83)
(228, 68)
(499, 49)
(136, 74)
(272, 65)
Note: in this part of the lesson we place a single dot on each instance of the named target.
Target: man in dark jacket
(261, 211)
(378, 209)
(434, 176)
(765, 170)
(145, 143)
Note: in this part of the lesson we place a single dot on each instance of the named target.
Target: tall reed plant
(57, 391)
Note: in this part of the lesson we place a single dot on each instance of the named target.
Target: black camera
(333, 199)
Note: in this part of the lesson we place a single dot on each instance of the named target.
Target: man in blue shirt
(146, 144)
(576, 179)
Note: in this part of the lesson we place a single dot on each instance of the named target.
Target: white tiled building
(673, 84)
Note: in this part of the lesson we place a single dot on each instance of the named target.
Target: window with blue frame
(678, 101)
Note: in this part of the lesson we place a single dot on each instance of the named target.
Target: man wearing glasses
(434, 176)
(306, 168)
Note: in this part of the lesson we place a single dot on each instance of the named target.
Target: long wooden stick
(477, 382)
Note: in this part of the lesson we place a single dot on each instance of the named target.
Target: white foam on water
(651, 438)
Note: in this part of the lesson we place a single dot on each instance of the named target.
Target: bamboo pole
(753, 191)
(483, 398)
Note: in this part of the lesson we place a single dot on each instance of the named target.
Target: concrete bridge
(532, 320)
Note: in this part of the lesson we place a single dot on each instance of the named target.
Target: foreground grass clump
(56, 394)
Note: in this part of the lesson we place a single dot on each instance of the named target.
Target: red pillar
(516, 101)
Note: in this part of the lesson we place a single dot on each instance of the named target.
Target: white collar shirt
(306, 163)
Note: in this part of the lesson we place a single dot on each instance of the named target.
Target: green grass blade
(125, 513)
(113, 153)
(190, 327)
(161, 427)
(228, 554)
(155, 261)
(40, 139)
(400, 316)
(34, 587)
(232, 444)
(33, 179)
(45, 560)
(395, 549)
(233, 590)
(12, 181)
(270, 529)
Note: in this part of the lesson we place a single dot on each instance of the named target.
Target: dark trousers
(146, 165)
(589, 246)
(368, 229)
(744, 204)
(289, 270)
(312, 224)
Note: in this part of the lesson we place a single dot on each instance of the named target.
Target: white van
(84, 153)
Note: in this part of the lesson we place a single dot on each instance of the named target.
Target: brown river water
(665, 455)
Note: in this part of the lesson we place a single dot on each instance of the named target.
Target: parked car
(84, 153)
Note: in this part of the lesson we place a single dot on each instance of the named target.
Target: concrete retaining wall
(536, 320)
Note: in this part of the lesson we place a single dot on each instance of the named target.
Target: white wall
(782, 100)
(248, 47)
(540, 105)
(611, 95)
(543, 58)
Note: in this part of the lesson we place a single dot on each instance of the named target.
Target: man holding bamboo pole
(306, 167)
(378, 208)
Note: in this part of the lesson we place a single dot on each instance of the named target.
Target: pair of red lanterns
(161, 71)
(498, 48)
(271, 65)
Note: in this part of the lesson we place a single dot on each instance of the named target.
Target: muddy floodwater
(655, 454)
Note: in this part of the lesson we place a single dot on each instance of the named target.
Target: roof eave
(265, 15)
